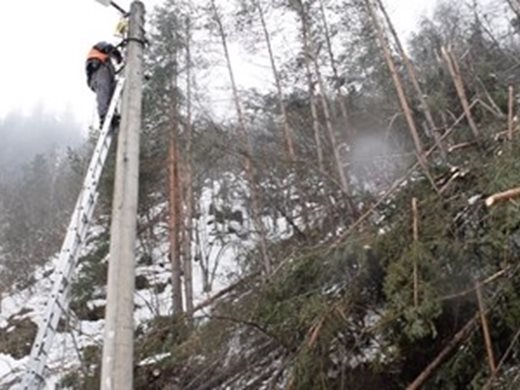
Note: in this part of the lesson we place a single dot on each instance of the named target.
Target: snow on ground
(31, 303)
(218, 246)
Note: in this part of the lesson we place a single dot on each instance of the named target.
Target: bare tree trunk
(454, 70)
(415, 212)
(173, 221)
(505, 196)
(288, 133)
(462, 334)
(493, 106)
(510, 113)
(337, 80)
(315, 122)
(188, 218)
(401, 94)
(485, 330)
(256, 217)
(312, 98)
(311, 56)
(174, 195)
(332, 136)
(413, 77)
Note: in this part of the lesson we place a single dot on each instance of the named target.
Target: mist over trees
(38, 132)
(39, 167)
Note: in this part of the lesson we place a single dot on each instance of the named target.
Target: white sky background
(44, 44)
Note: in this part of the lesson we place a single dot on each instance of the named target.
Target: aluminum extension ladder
(58, 302)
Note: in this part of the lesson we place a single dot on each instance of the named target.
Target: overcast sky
(44, 44)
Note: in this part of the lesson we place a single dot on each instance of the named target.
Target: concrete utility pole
(118, 345)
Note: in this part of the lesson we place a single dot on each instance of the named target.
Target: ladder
(57, 304)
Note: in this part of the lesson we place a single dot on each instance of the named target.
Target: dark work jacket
(93, 64)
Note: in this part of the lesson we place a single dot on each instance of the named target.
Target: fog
(377, 160)
(23, 136)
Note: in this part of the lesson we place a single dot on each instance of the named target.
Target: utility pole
(118, 344)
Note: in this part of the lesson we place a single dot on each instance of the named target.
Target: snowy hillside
(221, 243)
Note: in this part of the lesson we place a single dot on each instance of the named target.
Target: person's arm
(116, 55)
(111, 50)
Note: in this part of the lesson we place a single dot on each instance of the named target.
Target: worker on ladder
(101, 76)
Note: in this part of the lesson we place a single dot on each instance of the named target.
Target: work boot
(116, 119)
(114, 125)
(101, 121)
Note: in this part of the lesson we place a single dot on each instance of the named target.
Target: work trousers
(102, 82)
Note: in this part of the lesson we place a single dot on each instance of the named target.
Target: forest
(345, 216)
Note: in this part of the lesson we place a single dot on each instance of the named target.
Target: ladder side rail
(75, 236)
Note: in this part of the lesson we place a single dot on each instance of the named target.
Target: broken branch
(446, 351)
(485, 330)
(503, 196)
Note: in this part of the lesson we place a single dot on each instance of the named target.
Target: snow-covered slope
(222, 236)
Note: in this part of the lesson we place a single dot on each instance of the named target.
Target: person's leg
(103, 83)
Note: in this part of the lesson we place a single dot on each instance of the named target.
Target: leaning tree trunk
(248, 150)
(333, 64)
(309, 53)
(400, 93)
(314, 114)
(288, 133)
(415, 82)
(312, 98)
(456, 75)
